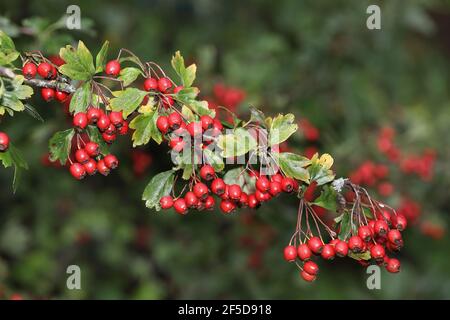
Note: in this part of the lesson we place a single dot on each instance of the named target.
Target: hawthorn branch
(40, 83)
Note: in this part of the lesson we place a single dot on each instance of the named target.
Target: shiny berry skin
(82, 156)
(276, 178)
(29, 70)
(399, 222)
(174, 120)
(177, 144)
(394, 236)
(80, 120)
(253, 203)
(262, 184)
(328, 252)
(102, 168)
(225, 196)
(164, 84)
(303, 252)
(194, 129)
(355, 244)
(365, 233)
(315, 245)
(243, 200)
(47, 94)
(217, 125)
(166, 202)
(116, 118)
(311, 268)
(180, 206)
(92, 149)
(207, 172)
(111, 129)
(124, 128)
(341, 248)
(45, 70)
(307, 277)
(227, 206)
(112, 68)
(287, 184)
(91, 167)
(4, 142)
(234, 192)
(260, 196)
(61, 96)
(163, 124)
(290, 253)
(275, 188)
(177, 89)
(109, 138)
(381, 227)
(218, 186)
(209, 203)
(103, 122)
(77, 170)
(207, 122)
(201, 190)
(111, 161)
(150, 84)
(393, 265)
(93, 114)
(377, 252)
(191, 199)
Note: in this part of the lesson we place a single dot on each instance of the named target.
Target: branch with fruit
(232, 164)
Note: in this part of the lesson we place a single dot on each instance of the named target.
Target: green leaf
(129, 75)
(79, 64)
(201, 108)
(345, 226)
(145, 128)
(187, 114)
(187, 75)
(281, 128)
(127, 101)
(81, 98)
(293, 165)
(360, 256)
(12, 157)
(187, 171)
(159, 186)
(187, 94)
(60, 145)
(8, 52)
(237, 143)
(100, 60)
(213, 159)
(96, 136)
(235, 176)
(319, 170)
(327, 199)
(21, 91)
(257, 116)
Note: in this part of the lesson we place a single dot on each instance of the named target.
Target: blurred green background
(315, 59)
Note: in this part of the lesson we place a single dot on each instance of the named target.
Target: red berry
(164, 84)
(287, 184)
(77, 170)
(377, 252)
(243, 200)
(4, 142)
(194, 129)
(201, 190)
(217, 125)
(328, 252)
(93, 114)
(218, 186)
(174, 120)
(163, 124)
(341, 248)
(177, 144)
(262, 184)
(207, 172)
(253, 203)
(209, 203)
(150, 84)
(61, 96)
(112, 68)
(315, 245)
(45, 70)
(92, 149)
(276, 178)
(124, 128)
(365, 233)
(290, 253)
(29, 70)
(227, 206)
(400, 222)
(80, 120)
(275, 188)
(307, 277)
(381, 227)
(102, 168)
(191, 199)
(303, 252)
(103, 122)
(47, 94)
(234, 192)
(111, 161)
(108, 138)
(111, 129)
(178, 89)
(260, 196)
(393, 265)
(311, 268)
(355, 244)
(91, 167)
(116, 118)
(166, 202)
(180, 206)
(207, 122)
(394, 236)
(81, 156)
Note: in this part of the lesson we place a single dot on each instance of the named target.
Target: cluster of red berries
(372, 174)
(108, 124)
(378, 236)
(89, 161)
(232, 196)
(4, 142)
(229, 97)
(47, 71)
